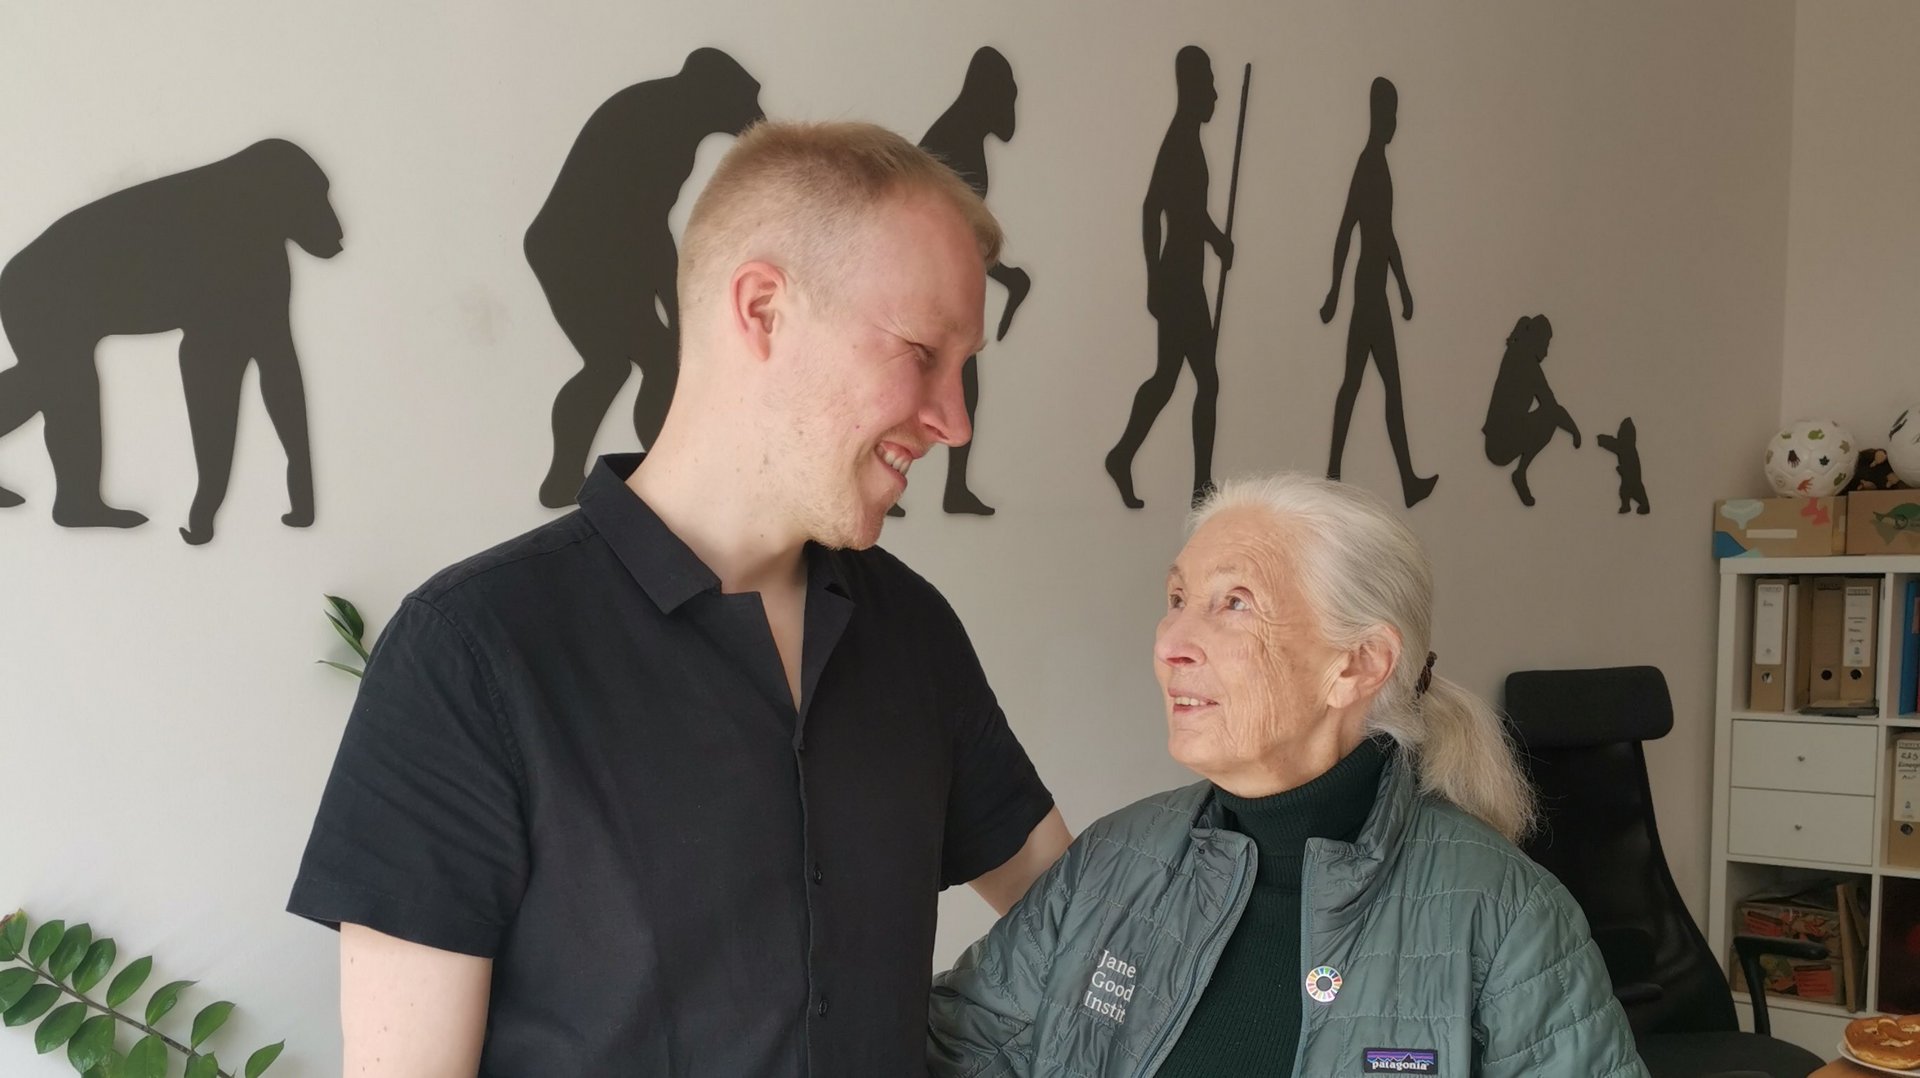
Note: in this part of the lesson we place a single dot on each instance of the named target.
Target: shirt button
(817, 874)
(821, 1008)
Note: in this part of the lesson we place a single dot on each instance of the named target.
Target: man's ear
(756, 300)
(1364, 670)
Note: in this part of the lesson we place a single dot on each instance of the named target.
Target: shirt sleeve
(420, 830)
(996, 797)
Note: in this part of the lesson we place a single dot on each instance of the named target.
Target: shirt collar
(665, 567)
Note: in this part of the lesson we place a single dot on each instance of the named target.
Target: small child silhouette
(1623, 445)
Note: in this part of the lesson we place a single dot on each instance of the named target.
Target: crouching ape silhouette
(202, 251)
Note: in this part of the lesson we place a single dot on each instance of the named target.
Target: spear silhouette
(1233, 191)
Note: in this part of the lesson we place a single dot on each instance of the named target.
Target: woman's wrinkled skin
(1256, 700)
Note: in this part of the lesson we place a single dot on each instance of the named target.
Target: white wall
(1853, 262)
(1621, 168)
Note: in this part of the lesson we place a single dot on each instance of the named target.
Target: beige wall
(1622, 168)
(1853, 250)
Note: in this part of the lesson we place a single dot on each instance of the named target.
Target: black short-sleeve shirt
(574, 755)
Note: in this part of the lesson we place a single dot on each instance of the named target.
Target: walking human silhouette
(1370, 330)
(1523, 415)
(203, 251)
(1176, 288)
(1623, 445)
(605, 256)
(984, 108)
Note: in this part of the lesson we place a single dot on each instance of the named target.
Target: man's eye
(1235, 602)
(926, 354)
(1173, 602)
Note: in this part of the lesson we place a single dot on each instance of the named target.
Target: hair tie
(1426, 677)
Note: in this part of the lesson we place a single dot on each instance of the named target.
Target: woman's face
(1244, 673)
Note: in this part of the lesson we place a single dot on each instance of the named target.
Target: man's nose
(946, 412)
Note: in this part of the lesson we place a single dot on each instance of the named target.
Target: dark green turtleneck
(1248, 1017)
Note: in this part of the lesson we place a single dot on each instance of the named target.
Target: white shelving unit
(1791, 828)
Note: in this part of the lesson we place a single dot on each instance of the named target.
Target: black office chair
(1580, 733)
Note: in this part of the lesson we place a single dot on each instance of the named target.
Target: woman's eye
(1235, 602)
(1173, 602)
(926, 354)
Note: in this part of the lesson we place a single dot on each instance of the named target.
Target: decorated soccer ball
(1810, 459)
(1903, 446)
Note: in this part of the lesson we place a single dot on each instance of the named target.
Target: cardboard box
(1830, 915)
(1779, 527)
(1883, 522)
(1903, 828)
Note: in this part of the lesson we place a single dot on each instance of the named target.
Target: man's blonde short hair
(797, 194)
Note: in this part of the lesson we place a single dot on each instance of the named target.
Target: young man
(669, 785)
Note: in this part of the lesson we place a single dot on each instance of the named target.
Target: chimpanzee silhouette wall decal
(202, 251)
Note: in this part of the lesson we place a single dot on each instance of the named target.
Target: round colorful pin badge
(1323, 983)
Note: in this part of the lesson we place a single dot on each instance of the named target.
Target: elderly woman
(1342, 894)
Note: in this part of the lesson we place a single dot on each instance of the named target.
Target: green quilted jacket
(1430, 946)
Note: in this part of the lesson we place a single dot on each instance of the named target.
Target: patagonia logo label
(1402, 1061)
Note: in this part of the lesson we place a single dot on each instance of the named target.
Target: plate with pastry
(1887, 1043)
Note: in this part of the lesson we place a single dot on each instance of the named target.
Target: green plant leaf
(210, 1018)
(45, 939)
(93, 1045)
(13, 935)
(73, 947)
(99, 960)
(355, 671)
(202, 1067)
(347, 635)
(38, 1000)
(147, 1060)
(14, 984)
(163, 1001)
(258, 1062)
(350, 615)
(128, 981)
(62, 1024)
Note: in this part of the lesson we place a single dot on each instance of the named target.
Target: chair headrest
(1567, 709)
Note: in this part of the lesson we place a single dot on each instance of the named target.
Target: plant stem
(142, 1026)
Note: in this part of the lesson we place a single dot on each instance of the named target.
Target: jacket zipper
(1306, 919)
(1216, 942)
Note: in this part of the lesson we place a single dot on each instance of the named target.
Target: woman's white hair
(1363, 570)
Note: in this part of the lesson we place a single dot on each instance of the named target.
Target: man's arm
(409, 1010)
(1004, 886)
